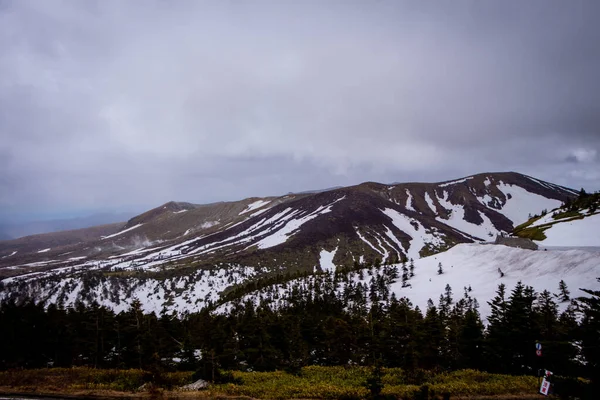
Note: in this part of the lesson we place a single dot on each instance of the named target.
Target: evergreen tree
(432, 338)
(564, 294)
(440, 270)
(497, 332)
(405, 276)
(590, 332)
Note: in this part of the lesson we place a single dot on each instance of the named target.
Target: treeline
(316, 327)
(584, 201)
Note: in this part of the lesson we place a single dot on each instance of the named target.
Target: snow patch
(522, 203)
(429, 201)
(579, 232)
(122, 232)
(455, 182)
(476, 265)
(289, 228)
(255, 205)
(486, 230)
(326, 260)
(409, 201)
(44, 251)
(413, 228)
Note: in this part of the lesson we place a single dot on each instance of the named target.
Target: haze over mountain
(13, 230)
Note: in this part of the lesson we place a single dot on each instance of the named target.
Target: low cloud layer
(112, 105)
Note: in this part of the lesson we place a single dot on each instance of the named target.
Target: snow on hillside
(477, 265)
(255, 205)
(455, 182)
(419, 235)
(485, 231)
(579, 232)
(474, 265)
(409, 201)
(326, 260)
(122, 232)
(180, 294)
(523, 203)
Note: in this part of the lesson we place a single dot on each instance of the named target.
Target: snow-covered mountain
(184, 257)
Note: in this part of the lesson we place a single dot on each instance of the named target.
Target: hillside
(183, 257)
(575, 223)
(361, 223)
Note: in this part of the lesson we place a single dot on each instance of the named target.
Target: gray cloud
(110, 104)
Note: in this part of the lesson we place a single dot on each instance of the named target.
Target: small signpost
(545, 387)
(538, 349)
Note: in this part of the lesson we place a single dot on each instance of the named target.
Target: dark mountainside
(369, 221)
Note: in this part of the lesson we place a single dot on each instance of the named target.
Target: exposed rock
(521, 243)
(199, 384)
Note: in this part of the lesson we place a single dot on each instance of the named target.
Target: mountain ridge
(367, 221)
(181, 257)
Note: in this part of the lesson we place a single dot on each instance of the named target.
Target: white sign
(545, 387)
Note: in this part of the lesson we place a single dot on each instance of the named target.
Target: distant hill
(17, 230)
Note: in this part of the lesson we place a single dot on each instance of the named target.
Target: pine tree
(405, 276)
(521, 329)
(440, 270)
(590, 332)
(564, 294)
(497, 332)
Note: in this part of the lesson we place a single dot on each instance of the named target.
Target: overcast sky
(124, 105)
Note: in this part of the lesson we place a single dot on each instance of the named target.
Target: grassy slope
(525, 230)
(313, 382)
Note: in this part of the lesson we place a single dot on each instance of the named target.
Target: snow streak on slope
(122, 232)
(430, 203)
(255, 205)
(522, 203)
(455, 182)
(477, 265)
(412, 227)
(550, 185)
(367, 242)
(485, 231)
(579, 232)
(290, 227)
(409, 201)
